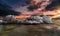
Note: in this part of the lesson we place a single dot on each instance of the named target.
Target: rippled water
(28, 30)
(1, 26)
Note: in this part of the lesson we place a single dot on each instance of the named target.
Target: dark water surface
(30, 30)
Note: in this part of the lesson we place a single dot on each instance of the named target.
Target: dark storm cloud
(15, 3)
(53, 5)
(6, 9)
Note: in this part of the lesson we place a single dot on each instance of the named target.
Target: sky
(17, 3)
(13, 3)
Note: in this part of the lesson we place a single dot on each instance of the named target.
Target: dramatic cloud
(6, 10)
(16, 4)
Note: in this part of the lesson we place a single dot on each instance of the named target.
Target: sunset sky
(15, 3)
